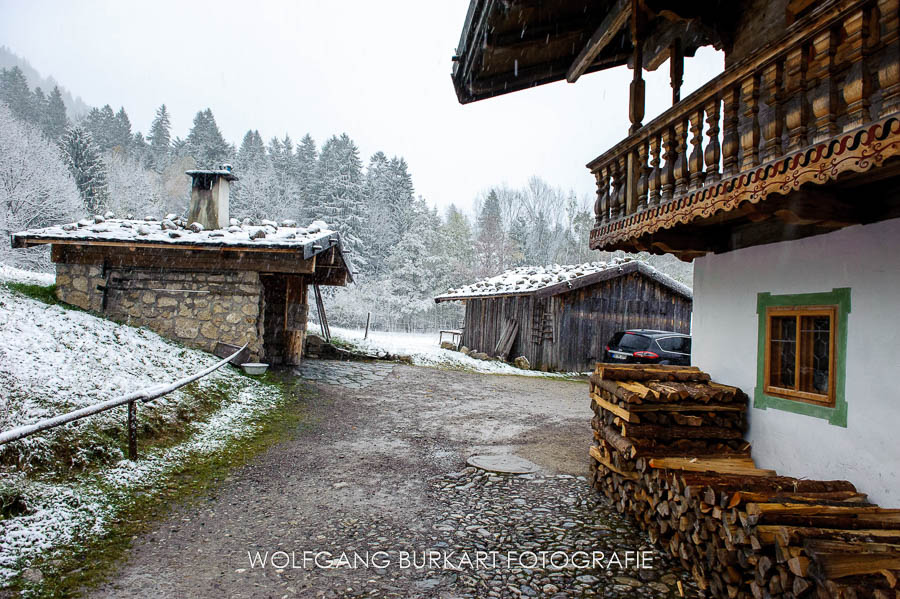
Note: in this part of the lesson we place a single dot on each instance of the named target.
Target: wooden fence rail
(144, 395)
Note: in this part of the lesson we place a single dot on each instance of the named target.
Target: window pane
(668, 343)
(675, 344)
(634, 342)
(815, 357)
(782, 351)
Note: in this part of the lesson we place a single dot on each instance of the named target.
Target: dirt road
(384, 471)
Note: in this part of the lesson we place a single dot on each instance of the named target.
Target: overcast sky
(379, 71)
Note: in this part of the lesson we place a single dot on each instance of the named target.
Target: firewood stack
(669, 451)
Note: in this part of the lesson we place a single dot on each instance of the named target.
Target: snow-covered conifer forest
(57, 165)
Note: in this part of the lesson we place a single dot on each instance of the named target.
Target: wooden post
(320, 307)
(132, 431)
(636, 96)
(368, 316)
(676, 69)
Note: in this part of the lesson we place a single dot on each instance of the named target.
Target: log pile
(669, 451)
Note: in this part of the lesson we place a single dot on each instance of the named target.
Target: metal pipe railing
(144, 395)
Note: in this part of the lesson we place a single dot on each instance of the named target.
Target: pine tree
(55, 122)
(457, 248)
(160, 137)
(490, 244)
(15, 93)
(101, 124)
(252, 152)
(139, 149)
(308, 178)
(341, 193)
(286, 201)
(252, 192)
(205, 142)
(121, 130)
(39, 106)
(82, 157)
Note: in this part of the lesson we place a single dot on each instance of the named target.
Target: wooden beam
(614, 21)
(165, 258)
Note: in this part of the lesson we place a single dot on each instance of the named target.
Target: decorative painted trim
(858, 151)
(839, 297)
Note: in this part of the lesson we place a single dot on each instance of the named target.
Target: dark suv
(645, 346)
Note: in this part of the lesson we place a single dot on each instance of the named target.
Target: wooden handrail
(144, 395)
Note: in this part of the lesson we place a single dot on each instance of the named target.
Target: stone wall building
(245, 284)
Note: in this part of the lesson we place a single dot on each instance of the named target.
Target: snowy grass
(53, 360)
(424, 350)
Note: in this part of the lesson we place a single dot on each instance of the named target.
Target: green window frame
(837, 299)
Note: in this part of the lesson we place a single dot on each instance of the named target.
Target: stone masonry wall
(196, 308)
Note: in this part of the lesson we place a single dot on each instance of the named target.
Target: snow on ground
(17, 275)
(425, 350)
(53, 360)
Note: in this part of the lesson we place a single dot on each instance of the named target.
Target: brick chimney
(209, 196)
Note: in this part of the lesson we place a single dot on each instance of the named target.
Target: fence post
(132, 431)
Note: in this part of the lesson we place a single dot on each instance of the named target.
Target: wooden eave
(510, 45)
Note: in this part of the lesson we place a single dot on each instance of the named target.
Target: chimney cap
(225, 173)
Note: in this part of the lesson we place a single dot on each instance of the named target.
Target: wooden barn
(560, 318)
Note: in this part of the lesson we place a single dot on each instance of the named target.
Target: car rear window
(681, 345)
(630, 341)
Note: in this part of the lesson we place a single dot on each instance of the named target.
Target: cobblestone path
(375, 500)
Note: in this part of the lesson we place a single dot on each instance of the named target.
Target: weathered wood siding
(568, 332)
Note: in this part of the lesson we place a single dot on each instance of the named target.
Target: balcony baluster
(712, 152)
(695, 163)
(653, 184)
(772, 79)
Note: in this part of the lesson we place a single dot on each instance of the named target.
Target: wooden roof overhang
(324, 265)
(510, 45)
(621, 270)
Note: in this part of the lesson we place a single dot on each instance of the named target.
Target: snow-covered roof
(552, 280)
(175, 232)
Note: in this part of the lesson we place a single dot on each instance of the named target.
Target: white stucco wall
(725, 329)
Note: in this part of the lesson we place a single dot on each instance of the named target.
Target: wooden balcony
(774, 138)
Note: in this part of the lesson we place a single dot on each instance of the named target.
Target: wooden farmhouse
(205, 281)
(560, 318)
(779, 178)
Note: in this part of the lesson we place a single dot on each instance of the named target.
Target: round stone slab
(508, 464)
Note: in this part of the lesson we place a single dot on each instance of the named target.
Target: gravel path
(379, 486)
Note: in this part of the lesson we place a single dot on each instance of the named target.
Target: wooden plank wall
(583, 320)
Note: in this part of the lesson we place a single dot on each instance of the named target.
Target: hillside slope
(61, 489)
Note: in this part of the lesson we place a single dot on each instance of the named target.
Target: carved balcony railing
(834, 72)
